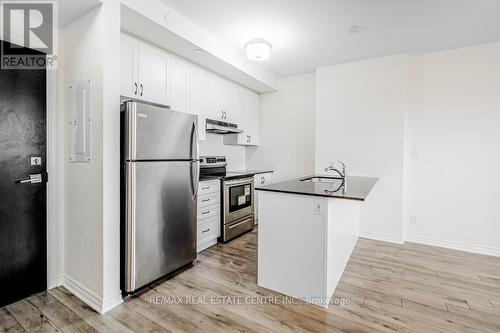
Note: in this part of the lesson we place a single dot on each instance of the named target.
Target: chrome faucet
(341, 173)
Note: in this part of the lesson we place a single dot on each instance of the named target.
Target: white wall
(454, 138)
(83, 197)
(214, 145)
(286, 129)
(111, 51)
(429, 127)
(90, 51)
(359, 120)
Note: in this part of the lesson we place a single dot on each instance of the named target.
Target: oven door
(238, 199)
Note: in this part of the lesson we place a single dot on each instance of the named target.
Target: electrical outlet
(413, 219)
(319, 207)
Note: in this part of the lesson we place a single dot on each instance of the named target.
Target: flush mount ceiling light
(258, 49)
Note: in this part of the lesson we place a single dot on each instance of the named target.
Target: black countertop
(356, 188)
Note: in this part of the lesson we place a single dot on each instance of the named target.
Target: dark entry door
(23, 222)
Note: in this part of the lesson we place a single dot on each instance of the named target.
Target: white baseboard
(479, 249)
(111, 302)
(382, 237)
(83, 293)
(89, 297)
(205, 245)
(56, 283)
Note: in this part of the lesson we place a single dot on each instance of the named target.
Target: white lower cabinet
(208, 214)
(261, 179)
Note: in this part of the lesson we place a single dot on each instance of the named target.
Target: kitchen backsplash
(236, 156)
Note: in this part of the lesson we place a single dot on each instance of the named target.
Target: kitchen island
(307, 231)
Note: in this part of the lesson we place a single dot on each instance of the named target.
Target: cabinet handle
(135, 84)
(142, 89)
(222, 112)
(205, 213)
(204, 231)
(205, 200)
(205, 188)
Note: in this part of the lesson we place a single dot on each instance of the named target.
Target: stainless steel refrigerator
(159, 191)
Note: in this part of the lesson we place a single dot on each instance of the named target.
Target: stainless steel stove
(237, 196)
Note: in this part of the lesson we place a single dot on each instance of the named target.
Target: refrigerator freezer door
(160, 234)
(156, 133)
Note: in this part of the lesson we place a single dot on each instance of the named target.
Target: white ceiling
(307, 34)
(70, 10)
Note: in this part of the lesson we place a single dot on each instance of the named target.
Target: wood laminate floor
(385, 288)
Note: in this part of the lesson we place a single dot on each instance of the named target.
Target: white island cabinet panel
(305, 243)
(291, 251)
(342, 235)
(261, 179)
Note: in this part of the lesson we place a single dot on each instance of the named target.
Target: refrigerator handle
(195, 161)
(195, 175)
(194, 142)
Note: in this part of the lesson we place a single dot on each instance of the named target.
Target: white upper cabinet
(229, 101)
(144, 71)
(129, 66)
(221, 98)
(196, 97)
(179, 85)
(153, 74)
(247, 112)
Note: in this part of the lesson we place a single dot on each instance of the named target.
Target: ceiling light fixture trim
(258, 49)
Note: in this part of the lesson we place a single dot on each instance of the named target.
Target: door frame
(54, 184)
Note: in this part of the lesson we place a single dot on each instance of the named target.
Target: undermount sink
(327, 180)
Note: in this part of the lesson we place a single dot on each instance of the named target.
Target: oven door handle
(238, 224)
(248, 181)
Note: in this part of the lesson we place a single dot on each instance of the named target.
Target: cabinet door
(129, 85)
(252, 119)
(243, 114)
(213, 97)
(221, 98)
(196, 98)
(153, 74)
(228, 102)
(196, 91)
(246, 116)
(179, 84)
